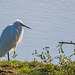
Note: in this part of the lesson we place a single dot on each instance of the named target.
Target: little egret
(10, 37)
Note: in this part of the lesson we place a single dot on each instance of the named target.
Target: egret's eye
(21, 23)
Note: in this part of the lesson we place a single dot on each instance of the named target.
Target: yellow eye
(21, 23)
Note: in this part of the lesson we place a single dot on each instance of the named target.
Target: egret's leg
(8, 57)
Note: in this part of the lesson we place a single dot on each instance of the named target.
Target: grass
(35, 68)
(65, 67)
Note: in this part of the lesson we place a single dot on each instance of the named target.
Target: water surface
(51, 21)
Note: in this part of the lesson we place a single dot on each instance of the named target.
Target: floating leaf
(61, 46)
(42, 52)
(47, 51)
(44, 61)
(44, 57)
(62, 50)
(39, 55)
(34, 59)
(47, 47)
(35, 51)
(70, 55)
(74, 51)
(14, 55)
(32, 53)
(43, 48)
(14, 52)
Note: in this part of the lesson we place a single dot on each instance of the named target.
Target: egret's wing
(8, 40)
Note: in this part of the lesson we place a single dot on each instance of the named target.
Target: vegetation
(35, 68)
(45, 67)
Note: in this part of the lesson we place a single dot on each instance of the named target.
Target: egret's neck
(20, 32)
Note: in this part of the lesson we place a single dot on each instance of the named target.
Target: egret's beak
(26, 26)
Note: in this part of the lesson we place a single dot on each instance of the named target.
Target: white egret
(10, 37)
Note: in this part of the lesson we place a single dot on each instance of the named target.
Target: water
(51, 21)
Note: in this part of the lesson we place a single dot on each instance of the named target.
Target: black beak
(25, 26)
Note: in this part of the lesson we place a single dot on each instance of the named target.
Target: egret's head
(19, 23)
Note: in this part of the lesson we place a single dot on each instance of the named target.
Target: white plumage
(10, 37)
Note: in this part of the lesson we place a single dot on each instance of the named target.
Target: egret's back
(9, 39)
